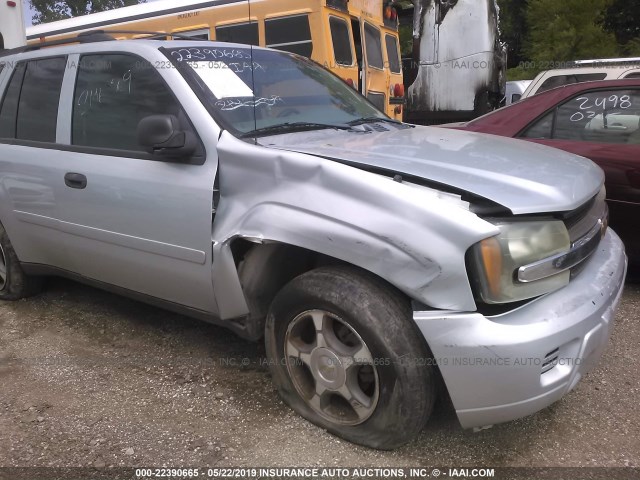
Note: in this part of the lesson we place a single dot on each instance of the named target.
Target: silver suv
(253, 189)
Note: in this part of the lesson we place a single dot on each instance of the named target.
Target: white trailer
(12, 30)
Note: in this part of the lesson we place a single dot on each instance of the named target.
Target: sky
(27, 13)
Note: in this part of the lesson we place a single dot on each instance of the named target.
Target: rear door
(29, 159)
(131, 220)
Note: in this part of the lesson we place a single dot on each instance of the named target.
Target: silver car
(253, 189)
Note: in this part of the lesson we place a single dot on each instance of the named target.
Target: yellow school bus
(356, 39)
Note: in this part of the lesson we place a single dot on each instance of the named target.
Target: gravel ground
(91, 379)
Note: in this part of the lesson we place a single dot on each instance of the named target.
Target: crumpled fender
(405, 234)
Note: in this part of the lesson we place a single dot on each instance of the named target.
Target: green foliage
(568, 30)
(632, 48)
(52, 10)
(522, 73)
(406, 40)
(622, 18)
(514, 28)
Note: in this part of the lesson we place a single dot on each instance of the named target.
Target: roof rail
(151, 35)
(93, 36)
(85, 37)
(607, 62)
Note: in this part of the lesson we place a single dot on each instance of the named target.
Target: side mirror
(161, 136)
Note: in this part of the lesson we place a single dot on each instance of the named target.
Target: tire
(14, 283)
(324, 318)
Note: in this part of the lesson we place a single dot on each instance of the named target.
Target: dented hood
(521, 176)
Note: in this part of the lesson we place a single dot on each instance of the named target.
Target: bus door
(375, 82)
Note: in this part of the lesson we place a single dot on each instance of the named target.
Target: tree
(622, 18)
(568, 30)
(51, 10)
(513, 29)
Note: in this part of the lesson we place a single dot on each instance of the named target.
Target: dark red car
(598, 120)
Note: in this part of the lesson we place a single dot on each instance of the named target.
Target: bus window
(238, 33)
(201, 34)
(291, 34)
(373, 46)
(1, 42)
(392, 53)
(341, 41)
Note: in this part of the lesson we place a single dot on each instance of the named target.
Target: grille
(583, 219)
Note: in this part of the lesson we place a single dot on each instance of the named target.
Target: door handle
(75, 180)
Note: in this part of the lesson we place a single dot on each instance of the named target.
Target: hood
(522, 176)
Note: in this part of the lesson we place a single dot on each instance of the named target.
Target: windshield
(255, 92)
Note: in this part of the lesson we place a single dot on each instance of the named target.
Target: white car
(584, 71)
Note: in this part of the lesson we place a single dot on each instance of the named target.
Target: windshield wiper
(292, 127)
(360, 121)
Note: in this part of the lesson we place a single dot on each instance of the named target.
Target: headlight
(497, 259)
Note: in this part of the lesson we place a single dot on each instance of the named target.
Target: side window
(560, 80)
(542, 128)
(39, 99)
(392, 52)
(113, 93)
(238, 33)
(633, 75)
(373, 46)
(606, 116)
(341, 39)
(291, 34)
(9, 108)
(1, 42)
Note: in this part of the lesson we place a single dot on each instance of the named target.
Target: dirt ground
(91, 379)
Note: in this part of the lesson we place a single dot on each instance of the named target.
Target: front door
(131, 220)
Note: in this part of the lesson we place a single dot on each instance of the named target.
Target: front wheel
(345, 354)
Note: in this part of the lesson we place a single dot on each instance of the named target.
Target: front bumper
(493, 366)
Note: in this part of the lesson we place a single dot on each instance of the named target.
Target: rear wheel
(345, 354)
(14, 283)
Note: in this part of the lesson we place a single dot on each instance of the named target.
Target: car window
(39, 99)
(291, 34)
(113, 93)
(607, 116)
(238, 33)
(392, 52)
(560, 80)
(9, 108)
(373, 46)
(341, 41)
(246, 90)
(541, 129)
